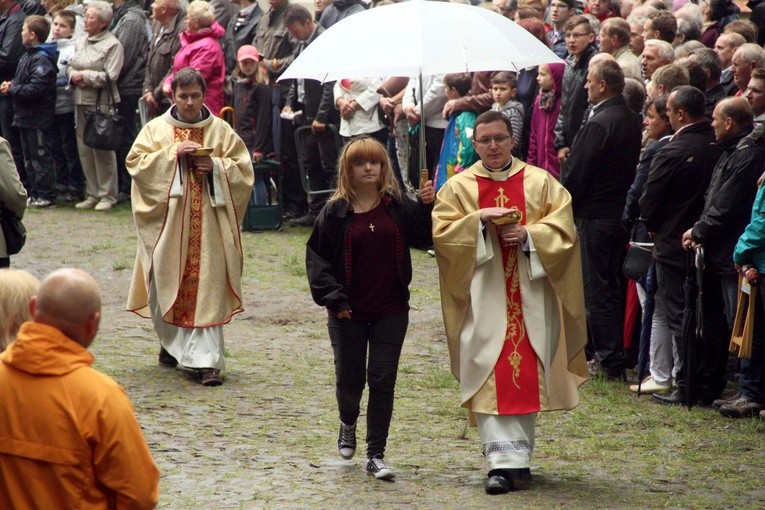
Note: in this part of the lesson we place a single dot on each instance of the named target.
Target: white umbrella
(419, 38)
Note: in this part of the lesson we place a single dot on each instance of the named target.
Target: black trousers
(39, 164)
(127, 107)
(318, 154)
(602, 242)
(351, 339)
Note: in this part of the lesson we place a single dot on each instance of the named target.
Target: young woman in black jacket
(359, 268)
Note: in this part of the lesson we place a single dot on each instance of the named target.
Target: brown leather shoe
(211, 377)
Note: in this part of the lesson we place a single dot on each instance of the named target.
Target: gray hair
(201, 11)
(102, 9)
(751, 52)
(666, 51)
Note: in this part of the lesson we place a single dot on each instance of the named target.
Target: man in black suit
(598, 173)
(672, 202)
(318, 150)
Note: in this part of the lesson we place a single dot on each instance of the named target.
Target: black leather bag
(14, 232)
(105, 128)
(637, 260)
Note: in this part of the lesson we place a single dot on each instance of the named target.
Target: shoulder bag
(104, 129)
(14, 232)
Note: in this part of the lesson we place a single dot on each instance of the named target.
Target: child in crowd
(504, 87)
(457, 151)
(251, 99)
(542, 151)
(33, 91)
(70, 180)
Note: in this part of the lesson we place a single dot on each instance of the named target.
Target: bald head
(599, 58)
(70, 301)
(731, 116)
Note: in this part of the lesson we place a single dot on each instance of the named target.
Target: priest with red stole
(511, 291)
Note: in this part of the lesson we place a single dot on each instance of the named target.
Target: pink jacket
(202, 51)
(542, 151)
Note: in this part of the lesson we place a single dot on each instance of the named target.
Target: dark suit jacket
(601, 165)
(319, 100)
(674, 193)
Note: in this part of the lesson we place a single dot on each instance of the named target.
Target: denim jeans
(384, 338)
(37, 159)
(602, 242)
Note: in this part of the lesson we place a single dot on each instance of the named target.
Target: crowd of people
(652, 131)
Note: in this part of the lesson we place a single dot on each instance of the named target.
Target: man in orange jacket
(68, 435)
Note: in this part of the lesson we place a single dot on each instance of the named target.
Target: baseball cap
(248, 51)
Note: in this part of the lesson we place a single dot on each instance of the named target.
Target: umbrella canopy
(419, 38)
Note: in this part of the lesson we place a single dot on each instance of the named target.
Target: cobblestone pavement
(266, 438)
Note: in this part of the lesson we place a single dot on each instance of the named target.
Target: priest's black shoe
(498, 482)
(676, 398)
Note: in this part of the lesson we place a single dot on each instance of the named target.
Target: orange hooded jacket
(68, 435)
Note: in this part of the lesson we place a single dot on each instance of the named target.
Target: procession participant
(359, 268)
(512, 297)
(192, 178)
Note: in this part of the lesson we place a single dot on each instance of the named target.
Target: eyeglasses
(559, 6)
(499, 140)
(572, 35)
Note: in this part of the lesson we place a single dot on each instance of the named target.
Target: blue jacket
(34, 87)
(750, 248)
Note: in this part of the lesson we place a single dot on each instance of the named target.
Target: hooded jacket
(34, 87)
(542, 151)
(68, 435)
(202, 51)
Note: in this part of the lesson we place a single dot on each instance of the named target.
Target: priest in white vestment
(192, 179)
(512, 297)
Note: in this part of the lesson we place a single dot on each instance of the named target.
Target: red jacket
(202, 51)
(68, 435)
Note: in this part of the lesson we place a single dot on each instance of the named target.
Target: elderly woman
(97, 57)
(13, 196)
(201, 49)
(16, 289)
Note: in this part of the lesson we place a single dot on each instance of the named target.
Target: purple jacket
(202, 51)
(542, 151)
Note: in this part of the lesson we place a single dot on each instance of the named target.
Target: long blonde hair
(16, 289)
(363, 149)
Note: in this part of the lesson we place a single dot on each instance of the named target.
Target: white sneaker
(104, 205)
(88, 203)
(650, 386)
(377, 468)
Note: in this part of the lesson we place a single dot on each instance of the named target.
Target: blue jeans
(385, 338)
(602, 242)
(37, 159)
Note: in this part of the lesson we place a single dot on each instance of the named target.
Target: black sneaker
(346, 441)
(377, 468)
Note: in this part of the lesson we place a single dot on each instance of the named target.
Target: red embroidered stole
(516, 372)
(184, 308)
